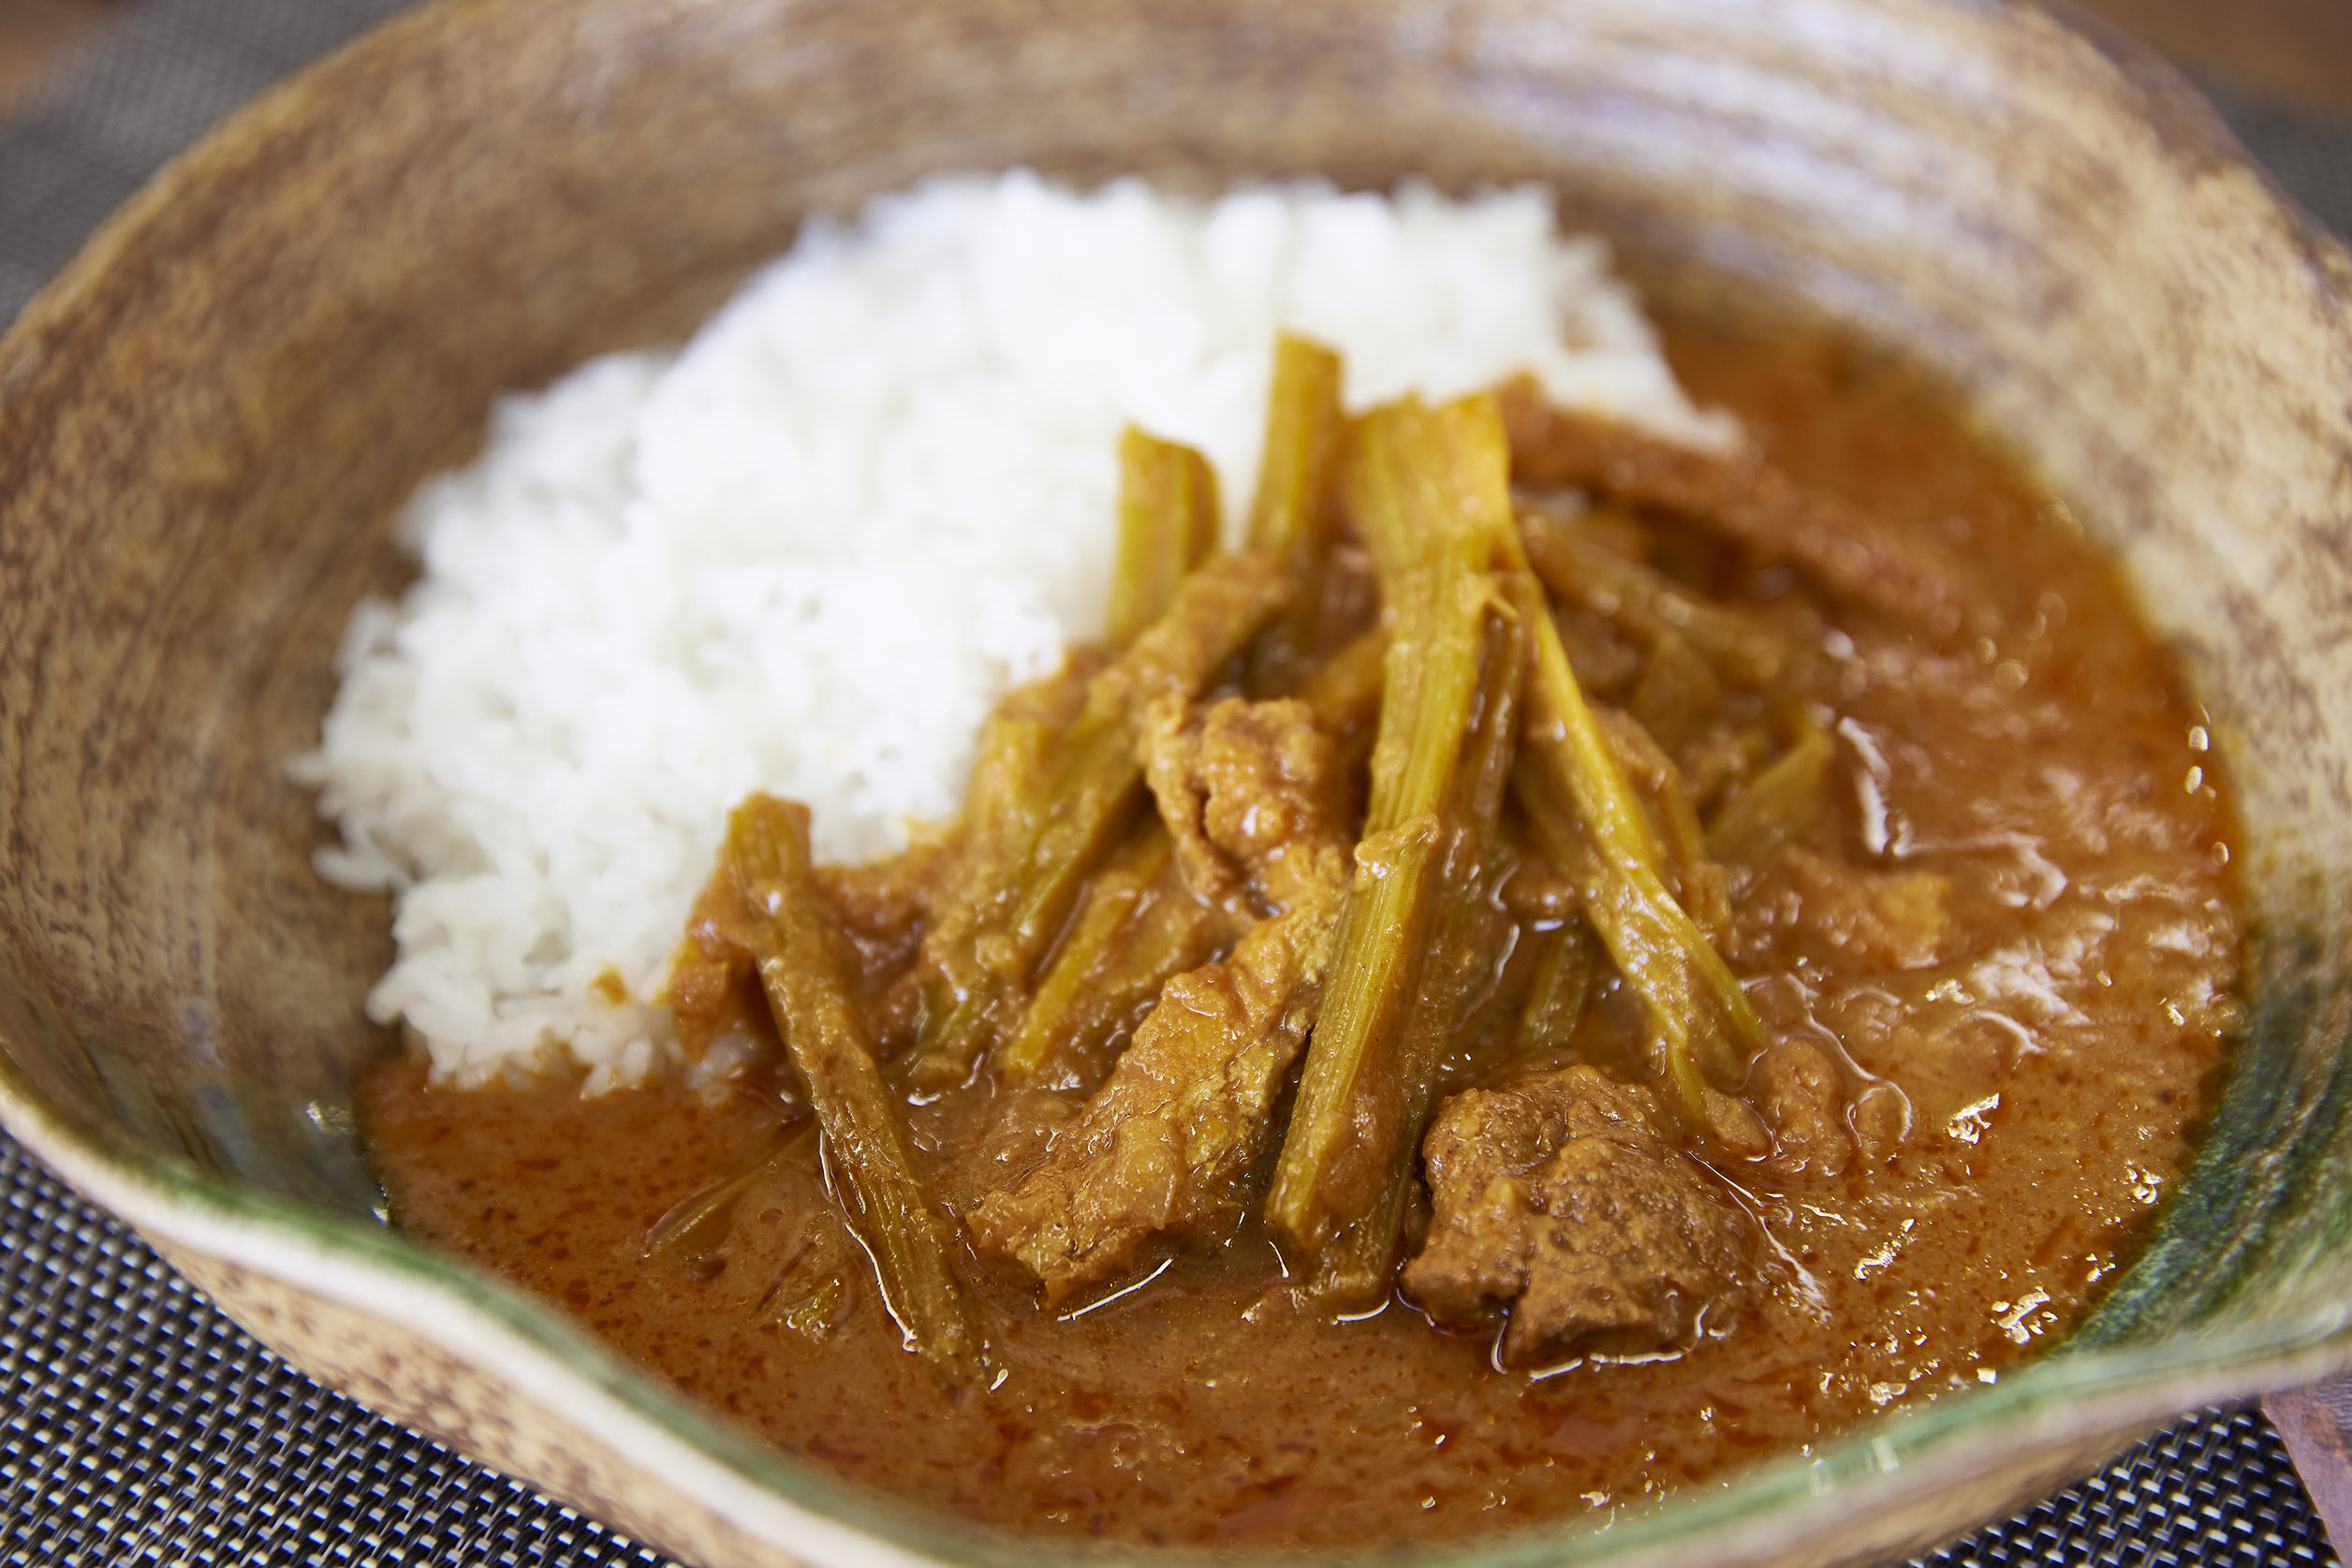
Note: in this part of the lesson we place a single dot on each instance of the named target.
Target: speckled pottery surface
(207, 422)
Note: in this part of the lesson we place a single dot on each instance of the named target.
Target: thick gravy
(2043, 1059)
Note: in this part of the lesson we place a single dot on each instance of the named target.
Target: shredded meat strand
(1246, 789)
(1853, 552)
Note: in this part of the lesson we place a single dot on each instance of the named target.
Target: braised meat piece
(1800, 1093)
(1159, 1147)
(1556, 1198)
(1246, 790)
(1879, 919)
(1853, 552)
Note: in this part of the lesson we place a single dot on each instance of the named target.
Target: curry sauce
(1994, 980)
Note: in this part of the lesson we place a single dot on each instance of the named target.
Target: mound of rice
(806, 552)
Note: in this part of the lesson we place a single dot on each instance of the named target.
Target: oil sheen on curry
(1565, 966)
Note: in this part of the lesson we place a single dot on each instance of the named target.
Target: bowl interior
(208, 425)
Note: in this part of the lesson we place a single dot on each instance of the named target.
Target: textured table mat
(139, 1425)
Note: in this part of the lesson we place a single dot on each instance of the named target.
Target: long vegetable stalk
(804, 970)
(1344, 689)
(1354, 1268)
(1431, 492)
(982, 952)
(1168, 525)
(1139, 928)
(1701, 1017)
(1566, 963)
(1779, 804)
(696, 1228)
(1744, 648)
(1589, 822)
(1010, 797)
(1291, 515)
(1698, 884)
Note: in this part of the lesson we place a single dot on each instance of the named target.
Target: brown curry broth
(1208, 1407)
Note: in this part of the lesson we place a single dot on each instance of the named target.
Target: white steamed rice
(806, 552)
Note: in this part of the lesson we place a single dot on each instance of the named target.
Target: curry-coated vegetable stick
(1676, 693)
(1343, 690)
(805, 968)
(1389, 492)
(1168, 525)
(1744, 648)
(982, 954)
(1354, 1268)
(1701, 1017)
(1777, 805)
(1291, 514)
(1216, 613)
(684, 1231)
(1139, 928)
(1005, 808)
(1004, 805)
(1594, 828)
(1566, 963)
(1431, 493)
(1562, 727)
(1465, 443)
(807, 1298)
(1699, 884)
(1303, 424)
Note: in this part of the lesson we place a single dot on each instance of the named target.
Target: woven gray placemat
(140, 1425)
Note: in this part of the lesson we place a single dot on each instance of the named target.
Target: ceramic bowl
(207, 422)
